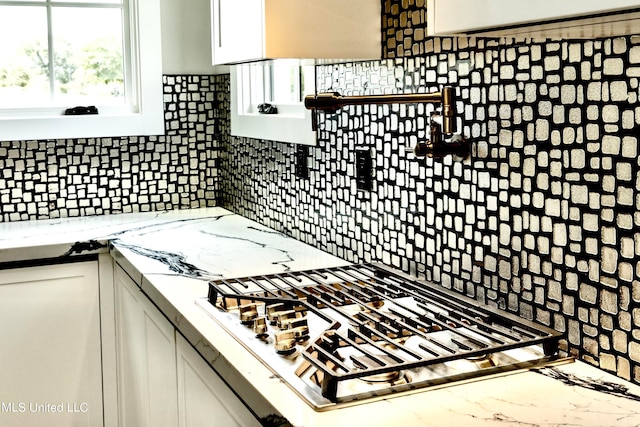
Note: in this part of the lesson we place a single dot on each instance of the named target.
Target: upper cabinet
(251, 30)
(541, 18)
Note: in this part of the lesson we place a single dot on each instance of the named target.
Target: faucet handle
(458, 147)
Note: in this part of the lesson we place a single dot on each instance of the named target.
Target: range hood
(579, 19)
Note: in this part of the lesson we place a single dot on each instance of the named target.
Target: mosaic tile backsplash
(542, 220)
(67, 178)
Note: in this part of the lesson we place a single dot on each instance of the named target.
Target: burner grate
(379, 322)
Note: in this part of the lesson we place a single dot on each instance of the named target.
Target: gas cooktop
(343, 335)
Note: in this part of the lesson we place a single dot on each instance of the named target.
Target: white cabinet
(186, 38)
(236, 30)
(162, 380)
(146, 359)
(204, 399)
(50, 353)
(249, 30)
(566, 18)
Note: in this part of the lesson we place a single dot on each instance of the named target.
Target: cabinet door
(147, 393)
(50, 359)
(237, 30)
(460, 16)
(204, 399)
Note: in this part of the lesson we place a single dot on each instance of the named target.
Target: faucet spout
(436, 146)
(331, 102)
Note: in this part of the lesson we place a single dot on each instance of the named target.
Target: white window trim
(146, 119)
(294, 126)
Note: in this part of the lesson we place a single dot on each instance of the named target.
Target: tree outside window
(58, 54)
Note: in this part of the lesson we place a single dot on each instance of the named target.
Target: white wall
(186, 37)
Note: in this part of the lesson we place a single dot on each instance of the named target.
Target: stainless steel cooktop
(343, 335)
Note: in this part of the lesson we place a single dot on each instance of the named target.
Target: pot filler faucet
(436, 146)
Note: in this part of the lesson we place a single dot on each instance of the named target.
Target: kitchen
(539, 221)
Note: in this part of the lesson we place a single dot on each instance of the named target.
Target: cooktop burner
(341, 335)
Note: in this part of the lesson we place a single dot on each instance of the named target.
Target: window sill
(293, 127)
(87, 126)
(274, 127)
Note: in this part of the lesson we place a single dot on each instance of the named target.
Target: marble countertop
(173, 254)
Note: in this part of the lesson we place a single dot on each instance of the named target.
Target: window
(282, 84)
(60, 54)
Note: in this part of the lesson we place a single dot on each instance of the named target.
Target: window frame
(144, 117)
(292, 124)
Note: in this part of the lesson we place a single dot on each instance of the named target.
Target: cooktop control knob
(273, 311)
(299, 327)
(248, 313)
(260, 327)
(285, 342)
(285, 317)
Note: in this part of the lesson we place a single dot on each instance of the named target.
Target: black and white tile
(97, 176)
(542, 220)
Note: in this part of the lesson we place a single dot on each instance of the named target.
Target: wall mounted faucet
(436, 146)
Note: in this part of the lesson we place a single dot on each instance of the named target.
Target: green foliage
(104, 61)
(97, 66)
(14, 77)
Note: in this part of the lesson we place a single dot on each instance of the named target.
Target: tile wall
(542, 220)
(66, 178)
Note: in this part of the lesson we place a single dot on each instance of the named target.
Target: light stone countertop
(173, 254)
